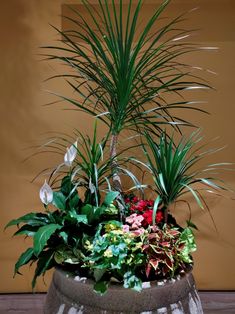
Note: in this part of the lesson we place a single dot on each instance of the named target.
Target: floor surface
(213, 303)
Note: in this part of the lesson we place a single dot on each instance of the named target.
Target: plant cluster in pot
(119, 250)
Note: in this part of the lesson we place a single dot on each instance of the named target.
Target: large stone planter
(74, 295)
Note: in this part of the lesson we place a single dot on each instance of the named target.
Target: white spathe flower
(46, 194)
(91, 186)
(70, 154)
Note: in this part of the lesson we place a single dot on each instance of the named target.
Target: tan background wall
(24, 26)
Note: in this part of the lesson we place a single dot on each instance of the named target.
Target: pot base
(74, 295)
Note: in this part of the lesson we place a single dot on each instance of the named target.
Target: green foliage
(57, 235)
(176, 168)
(91, 170)
(33, 219)
(42, 236)
(94, 213)
(187, 237)
(123, 78)
(59, 200)
(24, 259)
(132, 282)
(115, 254)
(167, 250)
(100, 287)
(44, 263)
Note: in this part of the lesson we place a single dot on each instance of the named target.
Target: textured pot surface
(74, 295)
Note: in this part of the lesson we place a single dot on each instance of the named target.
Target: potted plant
(100, 237)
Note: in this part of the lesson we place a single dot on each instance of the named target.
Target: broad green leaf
(24, 259)
(42, 236)
(66, 185)
(45, 262)
(77, 218)
(92, 213)
(87, 210)
(110, 197)
(74, 201)
(33, 219)
(27, 230)
(59, 200)
(98, 211)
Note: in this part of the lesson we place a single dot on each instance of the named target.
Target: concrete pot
(75, 295)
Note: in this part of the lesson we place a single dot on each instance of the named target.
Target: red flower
(135, 199)
(141, 205)
(133, 207)
(159, 217)
(148, 217)
(150, 203)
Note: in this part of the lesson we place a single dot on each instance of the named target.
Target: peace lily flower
(46, 194)
(91, 186)
(70, 154)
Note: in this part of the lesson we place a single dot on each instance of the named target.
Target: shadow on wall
(20, 79)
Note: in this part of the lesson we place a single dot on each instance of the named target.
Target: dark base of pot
(69, 295)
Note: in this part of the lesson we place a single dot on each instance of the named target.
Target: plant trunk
(114, 166)
(117, 184)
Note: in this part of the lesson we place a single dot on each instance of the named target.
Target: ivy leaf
(132, 282)
(187, 237)
(42, 236)
(59, 200)
(101, 287)
(23, 259)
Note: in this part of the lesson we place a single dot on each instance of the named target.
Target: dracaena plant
(123, 78)
(176, 170)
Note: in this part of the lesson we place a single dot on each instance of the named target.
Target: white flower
(91, 186)
(70, 155)
(46, 194)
